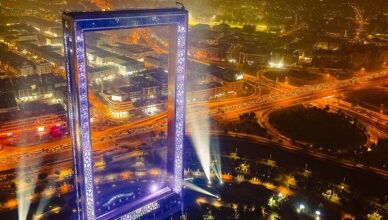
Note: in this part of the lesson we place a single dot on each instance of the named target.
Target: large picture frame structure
(75, 24)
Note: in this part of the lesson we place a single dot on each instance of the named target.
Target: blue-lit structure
(75, 25)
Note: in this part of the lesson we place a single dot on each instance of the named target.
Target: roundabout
(318, 127)
(293, 77)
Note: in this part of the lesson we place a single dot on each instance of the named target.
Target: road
(224, 109)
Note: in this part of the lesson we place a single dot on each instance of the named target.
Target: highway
(228, 109)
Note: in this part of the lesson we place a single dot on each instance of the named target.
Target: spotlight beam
(21, 194)
(201, 140)
(196, 188)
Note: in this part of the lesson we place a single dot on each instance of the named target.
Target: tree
(42, 176)
(252, 116)
(3, 198)
(249, 28)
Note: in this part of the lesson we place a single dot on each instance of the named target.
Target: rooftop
(14, 59)
(7, 100)
(158, 74)
(134, 48)
(33, 109)
(100, 69)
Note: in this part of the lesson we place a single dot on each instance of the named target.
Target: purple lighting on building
(75, 26)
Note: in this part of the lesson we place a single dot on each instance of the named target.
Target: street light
(301, 208)
(317, 214)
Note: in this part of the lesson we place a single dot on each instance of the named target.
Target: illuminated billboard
(130, 189)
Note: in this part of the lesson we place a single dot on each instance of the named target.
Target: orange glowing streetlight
(125, 175)
(11, 204)
(64, 188)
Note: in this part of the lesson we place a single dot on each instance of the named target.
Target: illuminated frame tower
(75, 24)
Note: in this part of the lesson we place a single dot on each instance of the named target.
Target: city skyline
(286, 105)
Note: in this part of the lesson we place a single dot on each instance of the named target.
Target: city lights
(232, 61)
(207, 109)
(151, 110)
(301, 208)
(117, 98)
(239, 77)
(276, 65)
(119, 114)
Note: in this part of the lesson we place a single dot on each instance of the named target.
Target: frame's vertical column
(180, 103)
(171, 105)
(78, 109)
(84, 128)
(68, 24)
